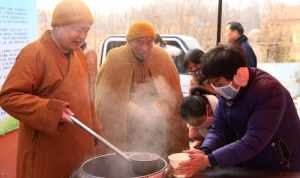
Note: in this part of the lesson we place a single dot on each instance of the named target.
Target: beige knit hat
(141, 29)
(71, 11)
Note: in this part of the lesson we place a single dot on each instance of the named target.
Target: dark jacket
(259, 129)
(247, 50)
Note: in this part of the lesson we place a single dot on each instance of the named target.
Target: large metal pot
(112, 166)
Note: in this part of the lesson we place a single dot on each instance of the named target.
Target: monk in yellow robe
(47, 84)
(138, 95)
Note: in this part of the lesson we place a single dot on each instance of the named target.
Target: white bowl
(177, 158)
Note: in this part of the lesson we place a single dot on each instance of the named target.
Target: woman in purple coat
(256, 123)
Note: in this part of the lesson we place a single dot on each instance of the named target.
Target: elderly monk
(138, 95)
(47, 84)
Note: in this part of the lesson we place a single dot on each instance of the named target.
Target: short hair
(198, 91)
(223, 61)
(193, 106)
(236, 26)
(192, 56)
(158, 40)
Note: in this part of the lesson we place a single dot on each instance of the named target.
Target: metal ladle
(141, 163)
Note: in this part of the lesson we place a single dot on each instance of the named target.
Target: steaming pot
(112, 166)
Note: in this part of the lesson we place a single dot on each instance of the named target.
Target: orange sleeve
(18, 98)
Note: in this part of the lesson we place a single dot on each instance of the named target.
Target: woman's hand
(198, 162)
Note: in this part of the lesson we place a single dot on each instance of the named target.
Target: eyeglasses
(218, 82)
(79, 29)
(195, 72)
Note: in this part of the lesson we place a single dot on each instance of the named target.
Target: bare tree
(275, 39)
(197, 18)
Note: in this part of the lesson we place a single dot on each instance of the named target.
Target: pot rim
(163, 169)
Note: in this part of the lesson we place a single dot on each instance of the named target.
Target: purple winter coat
(258, 129)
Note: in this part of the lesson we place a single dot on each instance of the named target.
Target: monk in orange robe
(138, 95)
(47, 84)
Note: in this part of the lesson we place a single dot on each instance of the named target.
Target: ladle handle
(98, 137)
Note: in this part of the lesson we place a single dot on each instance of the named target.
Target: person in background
(197, 111)
(234, 34)
(91, 60)
(256, 124)
(48, 84)
(138, 95)
(172, 50)
(159, 41)
(192, 63)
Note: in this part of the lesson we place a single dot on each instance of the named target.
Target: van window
(178, 59)
(114, 44)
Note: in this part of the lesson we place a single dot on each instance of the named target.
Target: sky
(107, 6)
(239, 4)
(102, 6)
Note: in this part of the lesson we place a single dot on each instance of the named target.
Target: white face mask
(227, 91)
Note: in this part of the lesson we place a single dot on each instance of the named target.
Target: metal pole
(99, 137)
(219, 22)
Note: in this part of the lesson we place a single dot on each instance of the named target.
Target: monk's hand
(198, 162)
(66, 115)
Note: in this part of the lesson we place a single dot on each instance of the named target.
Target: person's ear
(242, 76)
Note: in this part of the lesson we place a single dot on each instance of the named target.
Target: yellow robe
(154, 82)
(39, 84)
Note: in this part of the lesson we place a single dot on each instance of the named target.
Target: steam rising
(149, 121)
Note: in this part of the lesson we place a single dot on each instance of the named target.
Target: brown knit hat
(141, 29)
(71, 11)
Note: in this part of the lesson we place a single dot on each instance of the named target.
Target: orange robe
(42, 80)
(153, 84)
